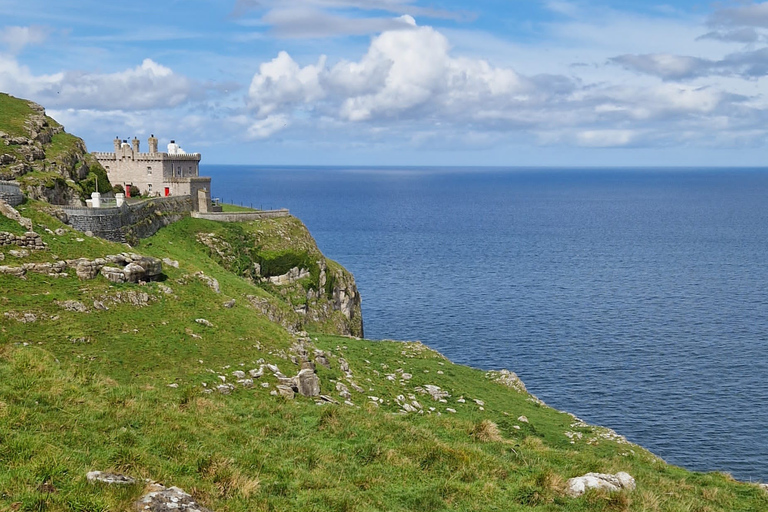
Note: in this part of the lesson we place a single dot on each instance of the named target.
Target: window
(149, 188)
(149, 171)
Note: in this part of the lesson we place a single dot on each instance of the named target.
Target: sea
(636, 299)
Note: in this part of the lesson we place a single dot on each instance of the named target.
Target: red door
(167, 191)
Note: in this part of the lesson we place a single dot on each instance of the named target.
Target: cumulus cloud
(412, 86)
(405, 74)
(281, 83)
(17, 38)
(147, 86)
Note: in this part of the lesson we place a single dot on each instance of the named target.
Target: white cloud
(264, 128)
(281, 83)
(314, 23)
(17, 38)
(404, 74)
(746, 64)
(413, 82)
(147, 86)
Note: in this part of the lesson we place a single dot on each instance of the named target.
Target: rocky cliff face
(305, 290)
(49, 163)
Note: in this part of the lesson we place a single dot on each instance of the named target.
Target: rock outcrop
(611, 483)
(168, 499)
(38, 143)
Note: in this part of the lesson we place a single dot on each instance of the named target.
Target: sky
(402, 82)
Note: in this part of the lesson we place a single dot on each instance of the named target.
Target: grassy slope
(13, 113)
(63, 153)
(89, 391)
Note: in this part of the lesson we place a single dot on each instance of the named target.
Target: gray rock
(171, 499)
(285, 391)
(171, 263)
(238, 374)
(20, 253)
(225, 389)
(113, 274)
(611, 483)
(109, 478)
(246, 383)
(256, 373)
(308, 383)
(343, 390)
(203, 321)
(229, 304)
(134, 272)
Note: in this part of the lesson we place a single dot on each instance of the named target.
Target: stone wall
(29, 240)
(129, 223)
(243, 216)
(10, 192)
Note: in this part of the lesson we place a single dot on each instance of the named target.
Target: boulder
(611, 483)
(135, 273)
(153, 267)
(113, 274)
(285, 391)
(308, 383)
(163, 499)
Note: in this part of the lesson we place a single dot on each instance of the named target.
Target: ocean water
(635, 299)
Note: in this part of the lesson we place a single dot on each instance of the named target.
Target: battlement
(151, 157)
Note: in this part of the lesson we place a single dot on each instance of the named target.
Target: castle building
(175, 173)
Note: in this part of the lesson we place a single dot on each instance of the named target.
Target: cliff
(50, 164)
(193, 372)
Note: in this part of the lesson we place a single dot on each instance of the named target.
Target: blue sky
(402, 82)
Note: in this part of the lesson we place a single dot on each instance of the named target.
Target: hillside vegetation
(124, 377)
(49, 163)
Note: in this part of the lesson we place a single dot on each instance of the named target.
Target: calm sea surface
(635, 299)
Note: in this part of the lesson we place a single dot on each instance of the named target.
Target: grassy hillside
(50, 164)
(132, 389)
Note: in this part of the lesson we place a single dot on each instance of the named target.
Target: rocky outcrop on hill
(307, 291)
(48, 163)
(117, 268)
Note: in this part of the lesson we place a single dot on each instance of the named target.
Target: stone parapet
(242, 216)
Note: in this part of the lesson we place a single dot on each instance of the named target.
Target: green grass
(89, 391)
(62, 145)
(233, 208)
(13, 114)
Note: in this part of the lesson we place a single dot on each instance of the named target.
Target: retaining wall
(10, 192)
(129, 222)
(242, 216)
